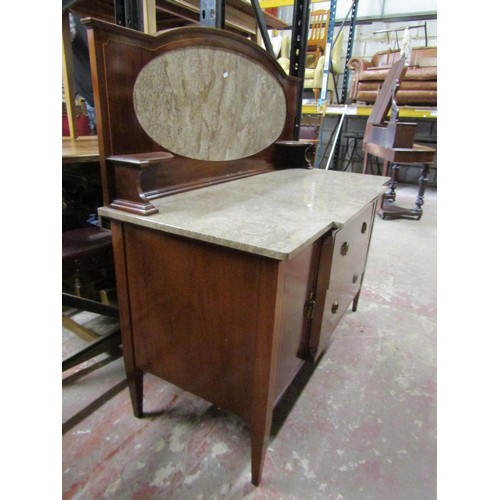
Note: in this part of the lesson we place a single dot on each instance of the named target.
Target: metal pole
(328, 51)
(300, 32)
(334, 145)
(212, 13)
(261, 23)
(350, 43)
(129, 13)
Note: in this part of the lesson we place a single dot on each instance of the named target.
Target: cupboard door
(348, 249)
(298, 288)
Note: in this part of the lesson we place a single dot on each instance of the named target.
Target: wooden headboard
(182, 109)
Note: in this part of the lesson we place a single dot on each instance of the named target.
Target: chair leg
(109, 343)
(80, 330)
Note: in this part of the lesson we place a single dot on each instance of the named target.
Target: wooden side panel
(195, 310)
(299, 282)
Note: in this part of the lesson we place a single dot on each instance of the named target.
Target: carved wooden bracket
(293, 154)
(127, 175)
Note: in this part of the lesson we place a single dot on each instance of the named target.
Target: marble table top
(276, 214)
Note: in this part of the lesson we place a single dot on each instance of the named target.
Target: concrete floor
(363, 427)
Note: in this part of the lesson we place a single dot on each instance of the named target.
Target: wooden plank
(82, 150)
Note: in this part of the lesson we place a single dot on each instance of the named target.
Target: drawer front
(345, 282)
(355, 234)
(348, 262)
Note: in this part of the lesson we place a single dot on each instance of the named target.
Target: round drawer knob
(335, 307)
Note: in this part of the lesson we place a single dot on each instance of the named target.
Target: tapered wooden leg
(259, 440)
(355, 301)
(134, 375)
(136, 389)
(267, 343)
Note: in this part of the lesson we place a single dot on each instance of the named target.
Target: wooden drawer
(340, 280)
(355, 234)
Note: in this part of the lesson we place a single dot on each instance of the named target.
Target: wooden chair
(318, 31)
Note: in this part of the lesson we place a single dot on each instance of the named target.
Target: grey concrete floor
(361, 425)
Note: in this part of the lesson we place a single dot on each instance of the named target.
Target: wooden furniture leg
(136, 388)
(422, 186)
(385, 168)
(392, 211)
(266, 359)
(391, 195)
(259, 436)
(365, 162)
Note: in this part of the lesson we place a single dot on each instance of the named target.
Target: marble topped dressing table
(232, 271)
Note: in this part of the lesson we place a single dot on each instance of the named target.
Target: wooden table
(84, 149)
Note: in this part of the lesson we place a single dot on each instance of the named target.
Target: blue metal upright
(328, 52)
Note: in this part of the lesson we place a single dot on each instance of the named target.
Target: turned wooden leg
(391, 195)
(316, 94)
(422, 186)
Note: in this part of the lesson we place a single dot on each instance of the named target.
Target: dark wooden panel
(298, 290)
(195, 311)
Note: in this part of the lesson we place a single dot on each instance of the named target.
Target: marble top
(276, 214)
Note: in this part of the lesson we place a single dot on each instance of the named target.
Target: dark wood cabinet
(232, 325)
(227, 260)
